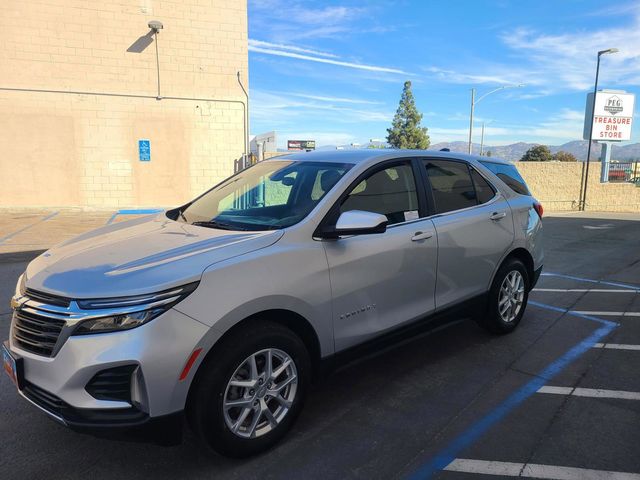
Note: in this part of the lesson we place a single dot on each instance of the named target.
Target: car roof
(370, 155)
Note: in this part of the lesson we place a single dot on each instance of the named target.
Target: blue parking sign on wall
(144, 150)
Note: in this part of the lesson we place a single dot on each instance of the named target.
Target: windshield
(270, 195)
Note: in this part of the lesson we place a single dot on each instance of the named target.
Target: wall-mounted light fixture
(155, 25)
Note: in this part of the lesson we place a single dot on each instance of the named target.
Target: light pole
(585, 171)
(482, 138)
(474, 102)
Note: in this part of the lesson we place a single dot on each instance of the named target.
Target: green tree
(405, 131)
(488, 154)
(563, 156)
(539, 153)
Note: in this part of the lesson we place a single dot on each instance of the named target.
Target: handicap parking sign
(144, 150)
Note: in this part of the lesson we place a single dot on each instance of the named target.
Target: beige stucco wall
(81, 149)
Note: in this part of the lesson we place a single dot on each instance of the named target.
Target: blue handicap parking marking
(475, 431)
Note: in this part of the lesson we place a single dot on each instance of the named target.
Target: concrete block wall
(557, 186)
(80, 148)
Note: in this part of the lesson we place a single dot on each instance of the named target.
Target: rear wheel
(507, 298)
(251, 391)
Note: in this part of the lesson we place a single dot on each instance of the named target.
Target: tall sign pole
(583, 199)
(585, 170)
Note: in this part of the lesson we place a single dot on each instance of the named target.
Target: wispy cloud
(327, 15)
(616, 10)
(567, 61)
(474, 78)
(278, 110)
(282, 109)
(563, 125)
(335, 99)
(558, 62)
(290, 20)
(291, 48)
(331, 61)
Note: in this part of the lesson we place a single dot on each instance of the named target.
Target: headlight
(125, 313)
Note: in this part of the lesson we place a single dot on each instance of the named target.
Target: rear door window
(451, 185)
(508, 174)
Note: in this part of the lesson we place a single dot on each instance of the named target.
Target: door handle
(421, 236)
(498, 215)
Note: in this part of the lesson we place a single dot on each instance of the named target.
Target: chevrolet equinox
(225, 308)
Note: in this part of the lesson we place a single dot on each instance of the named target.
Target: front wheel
(251, 390)
(507, 298)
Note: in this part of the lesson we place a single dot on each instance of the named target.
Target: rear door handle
(498, 215)
(421, 236)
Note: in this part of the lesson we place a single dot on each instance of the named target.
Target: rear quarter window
(509, 174)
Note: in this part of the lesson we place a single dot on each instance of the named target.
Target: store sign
(612, 116)
(301, 145)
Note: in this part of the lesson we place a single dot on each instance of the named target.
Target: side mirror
(358, 222)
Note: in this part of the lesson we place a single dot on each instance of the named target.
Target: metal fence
(624, 172)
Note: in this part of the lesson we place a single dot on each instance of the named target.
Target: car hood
(140, 256)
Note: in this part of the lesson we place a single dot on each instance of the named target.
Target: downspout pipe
(246, 123)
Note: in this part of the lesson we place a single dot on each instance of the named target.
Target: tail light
(537, 206)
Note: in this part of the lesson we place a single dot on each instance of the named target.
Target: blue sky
(333, 71)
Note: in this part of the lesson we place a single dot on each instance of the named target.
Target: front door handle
(421, 236)
(498, 215)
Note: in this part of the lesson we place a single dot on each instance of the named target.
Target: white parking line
(608, 314)
(590, 392)
(533, 470)
(586, 290)
(617, 346)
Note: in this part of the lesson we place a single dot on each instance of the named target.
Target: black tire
(206, 400)
(492, 320)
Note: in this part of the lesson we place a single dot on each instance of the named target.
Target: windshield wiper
(219, 225)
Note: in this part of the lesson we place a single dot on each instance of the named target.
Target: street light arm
(497, 90)
(489, 93)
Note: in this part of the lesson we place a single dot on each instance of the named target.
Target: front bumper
(158, 350)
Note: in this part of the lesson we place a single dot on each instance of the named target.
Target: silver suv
(227, 307)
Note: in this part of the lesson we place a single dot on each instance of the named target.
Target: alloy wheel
(511, 296)
(260, 393)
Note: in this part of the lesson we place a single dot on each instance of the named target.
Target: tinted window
(484, 191)
(509, 175)
(391, 192)
(270, 195)
(451, 185)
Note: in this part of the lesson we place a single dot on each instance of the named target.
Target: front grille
(47, 298)
(112, 384)
(36, 333)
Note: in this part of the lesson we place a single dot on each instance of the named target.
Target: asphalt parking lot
(558, 398)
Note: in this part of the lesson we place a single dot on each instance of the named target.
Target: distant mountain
(515, 151)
